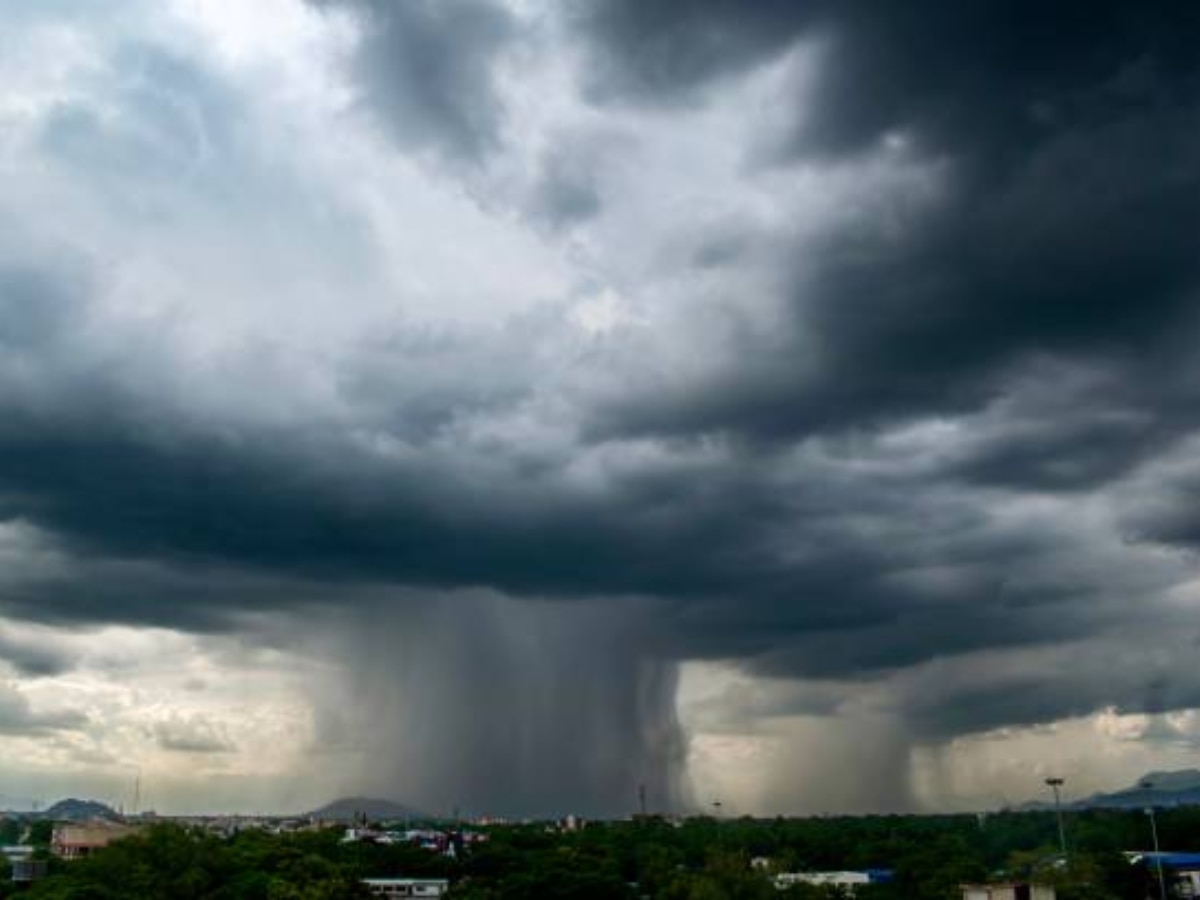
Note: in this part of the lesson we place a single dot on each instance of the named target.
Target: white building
(407, 887)
(25, 868)
(848, 880)
(1008, 891)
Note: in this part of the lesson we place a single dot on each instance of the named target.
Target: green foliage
(10, 831)
(726, 874)
(40, 832)
(698, 859)
(169, 861)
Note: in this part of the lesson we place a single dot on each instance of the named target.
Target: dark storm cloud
(1047, 686)
(785, 511)
(1069, 193)
(919, 69)
(86, 590)
(130, 486)
(758, 557)
(670, 51)
(271, 502)
(426, 69)
(785, 560)
(936, 318)
(34, 659)
(1059, 427)
(772, 570)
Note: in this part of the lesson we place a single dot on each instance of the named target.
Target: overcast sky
(499, 405)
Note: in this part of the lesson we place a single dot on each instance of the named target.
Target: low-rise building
(24, 868)
(1180, 871)
(847, 879)
(407, 887)
(80, 839)
(1009, 890)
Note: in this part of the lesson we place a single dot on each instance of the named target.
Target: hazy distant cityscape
(363, 847)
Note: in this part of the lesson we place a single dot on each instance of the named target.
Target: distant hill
(1181, 788)
(347, 808)
(1183, 780)
(72, 810)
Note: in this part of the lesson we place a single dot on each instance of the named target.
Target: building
(847, 880)
(1181, 871)
(77, 840)
(407, 887)
(25, 869)
(1008, 891)
(17, 852)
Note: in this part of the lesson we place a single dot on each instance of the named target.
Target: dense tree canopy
(698, 859)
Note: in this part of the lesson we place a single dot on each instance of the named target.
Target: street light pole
(1162, 884)
(1054, 784)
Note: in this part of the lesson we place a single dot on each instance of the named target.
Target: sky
(497, 405)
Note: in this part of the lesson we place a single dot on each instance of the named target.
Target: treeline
(930, 856)
(180, 863)
(699, 859)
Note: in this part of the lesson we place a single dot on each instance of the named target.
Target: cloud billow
(426, 71)
(1060, 227)
(944, 427)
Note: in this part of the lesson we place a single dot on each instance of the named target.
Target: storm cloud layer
(847, 344)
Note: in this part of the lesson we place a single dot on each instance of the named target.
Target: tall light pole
(1054, 784)
(1162, 884)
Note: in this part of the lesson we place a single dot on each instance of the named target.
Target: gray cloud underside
(18, 718)
(1064, 226)
(1041, 305)
(191, 735)
(788, 559)
(426, 69)
(33, 659)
